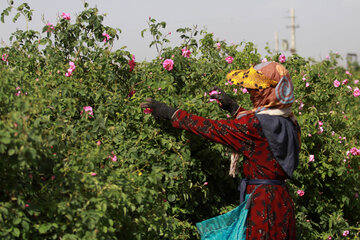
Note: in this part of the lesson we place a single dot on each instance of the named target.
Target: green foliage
(22, 9)
(58, 173)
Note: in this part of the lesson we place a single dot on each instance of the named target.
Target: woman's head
(269, 84)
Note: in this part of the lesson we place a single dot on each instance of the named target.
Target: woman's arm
(237, 134)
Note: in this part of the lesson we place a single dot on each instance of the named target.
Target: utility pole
(293, 27)
(276, 42)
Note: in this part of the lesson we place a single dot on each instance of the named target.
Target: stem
(27, 21)
(156, 44)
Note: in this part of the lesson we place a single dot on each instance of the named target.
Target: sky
(324, 26)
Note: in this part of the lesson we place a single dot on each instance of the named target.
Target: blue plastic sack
(229, 226)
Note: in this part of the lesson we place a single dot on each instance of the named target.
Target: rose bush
(81, 160)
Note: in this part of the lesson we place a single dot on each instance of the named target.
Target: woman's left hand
(225, 101)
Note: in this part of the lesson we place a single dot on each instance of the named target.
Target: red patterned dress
(271, 214)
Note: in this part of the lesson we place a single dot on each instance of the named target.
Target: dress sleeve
(238, 134)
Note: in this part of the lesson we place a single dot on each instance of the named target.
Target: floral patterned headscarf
(272, 81)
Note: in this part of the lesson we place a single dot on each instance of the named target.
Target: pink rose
(71, 69)
(301, 106)
(264, 60)
(18, 92)
(356, 81)
(229, 59)
(229, 83)
(282, 58)
(218, 45)
(72, 65)
(336, 83)
(214, 100)
(147, 110)
(311, 158)
(88, 110)
(107, 37)
(214, 92)
(168, 64)
(356, 92)
(300, 192)
(307, 84)
(320, 123)
(345, 81)
(65, 16)
(354, 151)
(50, 27)
(113, 157)
(131, 93)
(321, 130)
(244, 90)
(345, 233)
(185, 52)
(348, 73)
(5, 57)
(132, 63)
(93, 174)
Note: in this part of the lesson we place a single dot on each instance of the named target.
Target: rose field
(79, 158)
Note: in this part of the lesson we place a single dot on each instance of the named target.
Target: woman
(269, 138)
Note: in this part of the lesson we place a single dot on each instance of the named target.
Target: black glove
(226, 102)
(159, 110)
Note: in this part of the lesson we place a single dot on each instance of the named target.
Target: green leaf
(142, 32)
(171, 197)
(25, 226)
(15, 232)
(44, 228)
(70, 237)
(5, 139)
(17, 221)
(21, 7)
(16, 17)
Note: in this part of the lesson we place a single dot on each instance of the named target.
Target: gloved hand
(159, 110)
(225, 101)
